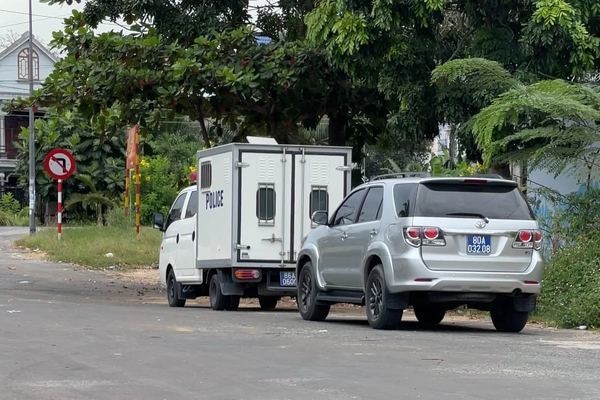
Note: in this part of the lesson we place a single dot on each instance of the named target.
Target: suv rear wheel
(507, 319)
(307, 296)
(429, 315)
(379, 315)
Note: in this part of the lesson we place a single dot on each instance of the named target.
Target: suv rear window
(494, 201)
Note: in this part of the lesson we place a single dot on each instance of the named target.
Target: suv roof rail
(406, 174)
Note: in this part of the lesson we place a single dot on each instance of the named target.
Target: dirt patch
(141, 276)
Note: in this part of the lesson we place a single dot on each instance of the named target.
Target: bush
(11, 213)
(8, 204)
(159, 187)
(571, 285)
(574, 215)
(20, 218)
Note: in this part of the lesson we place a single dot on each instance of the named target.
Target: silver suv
(430, 243)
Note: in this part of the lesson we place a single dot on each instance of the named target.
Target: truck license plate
(287, 278)
(479, 244)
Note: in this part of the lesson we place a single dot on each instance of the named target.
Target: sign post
(59, 164)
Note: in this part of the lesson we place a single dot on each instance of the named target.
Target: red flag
(132, 146)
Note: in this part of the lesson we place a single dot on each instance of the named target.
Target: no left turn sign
(59, 164)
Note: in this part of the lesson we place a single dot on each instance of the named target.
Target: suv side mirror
(158, 221)
(320, 218)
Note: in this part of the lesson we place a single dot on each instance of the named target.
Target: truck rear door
(264, 211)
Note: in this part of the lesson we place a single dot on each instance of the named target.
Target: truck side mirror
(320, 218)
(158, 221)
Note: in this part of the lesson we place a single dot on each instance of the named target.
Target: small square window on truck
(265, 204)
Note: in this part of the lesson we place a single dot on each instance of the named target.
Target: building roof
(23, 40)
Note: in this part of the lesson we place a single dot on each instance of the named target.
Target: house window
(319, 199)
(265, 204)
(23, 64)
(205, 175)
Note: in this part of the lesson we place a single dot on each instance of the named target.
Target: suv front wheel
(379, 315)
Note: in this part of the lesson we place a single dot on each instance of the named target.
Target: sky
(14, 16)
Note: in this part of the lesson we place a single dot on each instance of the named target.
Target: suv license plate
(287, 279)
(479, 244)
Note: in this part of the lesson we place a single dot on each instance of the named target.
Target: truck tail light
(417, 236)
(246, 274)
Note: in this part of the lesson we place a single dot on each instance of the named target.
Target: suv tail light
(417, 236)
(528, 239)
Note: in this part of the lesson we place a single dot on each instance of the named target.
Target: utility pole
(31, 133)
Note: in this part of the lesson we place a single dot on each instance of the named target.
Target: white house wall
(10, 86)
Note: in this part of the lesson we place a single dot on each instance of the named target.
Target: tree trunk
(452, 145)
(337, 129)
(204, 131)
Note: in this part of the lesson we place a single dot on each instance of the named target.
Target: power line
(62, 18)
(35, 15)
(24, 22)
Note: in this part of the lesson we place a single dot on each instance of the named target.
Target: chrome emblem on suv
(480, 224)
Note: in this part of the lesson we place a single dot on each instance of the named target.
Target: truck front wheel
(268, 302)
(173, 291)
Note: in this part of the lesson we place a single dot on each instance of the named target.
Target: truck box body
(255, 201)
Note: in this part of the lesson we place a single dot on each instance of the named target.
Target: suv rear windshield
(494, 201)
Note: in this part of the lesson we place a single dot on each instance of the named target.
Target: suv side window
(175, 213)
(346, 214)
(371, 207)
(192, 205)
(404, 193)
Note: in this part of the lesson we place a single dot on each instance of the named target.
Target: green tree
(553, 124)
(176, 21)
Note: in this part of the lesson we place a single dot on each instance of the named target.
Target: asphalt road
(75, 334)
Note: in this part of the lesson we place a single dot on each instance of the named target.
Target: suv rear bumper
(409, 274)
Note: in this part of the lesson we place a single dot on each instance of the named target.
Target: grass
(14, 219)
(88, 246)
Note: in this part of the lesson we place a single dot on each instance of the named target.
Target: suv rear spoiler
(475, 180)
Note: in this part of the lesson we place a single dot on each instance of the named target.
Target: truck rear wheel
(173, 291)
(268, 302)
(218, 301)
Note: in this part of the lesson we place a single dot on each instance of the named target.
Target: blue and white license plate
(479, 244)
(287, 278)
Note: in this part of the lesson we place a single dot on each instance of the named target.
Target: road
(68, 333)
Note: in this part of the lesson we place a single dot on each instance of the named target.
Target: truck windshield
(460, 200)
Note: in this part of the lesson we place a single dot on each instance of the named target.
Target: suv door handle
(344, 235)
(373, 232)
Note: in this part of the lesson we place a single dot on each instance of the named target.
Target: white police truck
(237, 232)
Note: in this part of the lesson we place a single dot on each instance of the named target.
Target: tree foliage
(176, 21)
(552, 123)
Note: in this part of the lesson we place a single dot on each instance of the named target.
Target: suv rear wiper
(466, 214)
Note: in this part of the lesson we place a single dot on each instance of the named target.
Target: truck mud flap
(228, 287)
